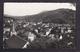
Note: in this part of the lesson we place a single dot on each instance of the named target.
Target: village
(31, 32)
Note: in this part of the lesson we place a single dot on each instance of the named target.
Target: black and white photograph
(39, 25)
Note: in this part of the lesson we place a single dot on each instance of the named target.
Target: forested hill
(55, 16)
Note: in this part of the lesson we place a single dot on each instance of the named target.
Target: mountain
(60, 16)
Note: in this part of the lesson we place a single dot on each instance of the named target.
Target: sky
(22, 9)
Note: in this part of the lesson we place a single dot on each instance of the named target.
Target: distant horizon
(23, 9)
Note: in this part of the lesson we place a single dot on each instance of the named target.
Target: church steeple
(13, 32)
